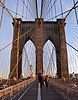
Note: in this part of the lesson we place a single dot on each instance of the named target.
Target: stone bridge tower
(39, 32)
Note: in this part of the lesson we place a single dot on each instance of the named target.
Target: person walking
(46, 81)
(40, 79)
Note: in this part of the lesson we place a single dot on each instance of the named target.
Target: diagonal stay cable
(13, 70)
(17, 62)
(2, 5)
(75, 12)
(12, 11)
(71, 46)
(16, 39)
(63, 12)
(72, 9)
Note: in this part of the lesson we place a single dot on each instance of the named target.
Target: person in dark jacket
(46, 81)
(40, 79)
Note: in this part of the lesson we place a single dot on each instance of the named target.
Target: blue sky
(6, 33)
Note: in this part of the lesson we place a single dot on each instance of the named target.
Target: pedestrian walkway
(30, 93)
(34, 92)
(51, 93)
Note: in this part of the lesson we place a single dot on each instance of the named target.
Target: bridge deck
(34, 92)
(48, 93)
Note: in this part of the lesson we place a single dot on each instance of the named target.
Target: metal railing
(15, 88)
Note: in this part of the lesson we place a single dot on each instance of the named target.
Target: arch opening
(29, 60)
(49, 59)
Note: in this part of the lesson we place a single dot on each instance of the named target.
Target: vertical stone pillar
(39, 46)
(58, 63)
(62, 48)
(16, 52)
(39, 61)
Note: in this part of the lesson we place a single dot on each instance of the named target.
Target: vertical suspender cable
(55, 8)
(61, 8)
(36, 8)
(75, 12)
(2, 14)
(22, 10)
(41, 8)
(17, 8)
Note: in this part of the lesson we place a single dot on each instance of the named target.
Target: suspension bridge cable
(75, 12)
(27, 54)
(61, 8)
(72, 39)
(74, 36)
(67, 11)
(46, 6)
(74, 28)
(16, 39)
(27, 59)
(34, 5)
(70, 59)
(13, 12)
(28, 8)
(16, 8)
(73, 54)
(71, 9)
(22, 10)
(49, 9)
(2, 5)
(13, 69)
(52, 12)
(2, 14)
(41, 8)
(72, 46)
(55, 9)
(51, 58)
(36, 8)
(74, 31)
(46, 56)
(54, 67)
(48, 49)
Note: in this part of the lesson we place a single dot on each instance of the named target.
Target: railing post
(3, 97)
(11, 93)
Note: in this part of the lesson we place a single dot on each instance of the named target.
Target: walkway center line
(39, 92)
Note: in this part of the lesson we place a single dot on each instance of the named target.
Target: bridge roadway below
(35, 92)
